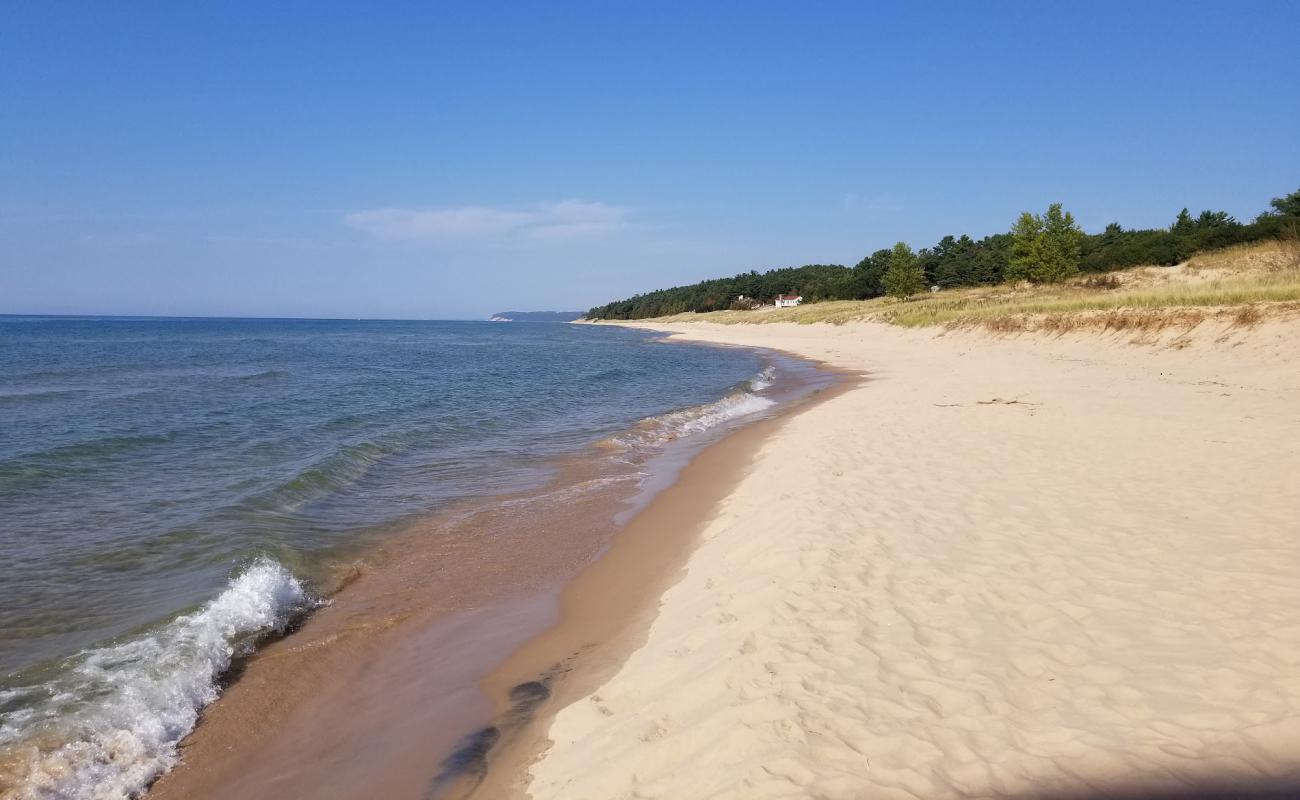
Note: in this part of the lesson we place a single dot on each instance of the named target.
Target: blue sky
(441, 160)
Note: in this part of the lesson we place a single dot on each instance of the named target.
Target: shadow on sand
(463, 771)
(1259, 789)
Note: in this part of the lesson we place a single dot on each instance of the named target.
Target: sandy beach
(1017, 566)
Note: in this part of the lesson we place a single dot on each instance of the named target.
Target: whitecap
(655, 431)
(113, 720)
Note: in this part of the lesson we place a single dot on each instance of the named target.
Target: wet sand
(606, 612)
(386, 692)
(375, 689)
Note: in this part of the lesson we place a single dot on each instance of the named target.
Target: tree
(1283, 221)
(1038, 248)
(956, 262)
(1026, 247)
(869, 274)
(1288, 206)
(1064, 237)
(904, 277)
(1046, 248)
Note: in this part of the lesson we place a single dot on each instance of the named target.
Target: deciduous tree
(1045, 249)
(904, 277)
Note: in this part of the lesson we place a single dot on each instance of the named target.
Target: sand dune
(1000, 567)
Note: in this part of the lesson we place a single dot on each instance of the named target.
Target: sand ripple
(917, 592)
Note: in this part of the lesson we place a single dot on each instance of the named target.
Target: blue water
(173, 490)
(141, 459)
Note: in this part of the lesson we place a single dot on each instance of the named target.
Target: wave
(265, 376)
(20, 397)
(72, 459)
(742, 402)
(110, 722)
(763, 380)
(568, 493)
(611, 374)
(337, 470)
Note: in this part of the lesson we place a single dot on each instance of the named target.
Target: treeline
(963, 261)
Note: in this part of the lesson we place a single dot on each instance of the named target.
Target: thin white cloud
(566, 220)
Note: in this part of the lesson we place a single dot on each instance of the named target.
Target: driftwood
(997, 401)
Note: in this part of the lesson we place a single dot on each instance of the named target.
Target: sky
(449, 160)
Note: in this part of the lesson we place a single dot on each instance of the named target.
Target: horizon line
(6, 314)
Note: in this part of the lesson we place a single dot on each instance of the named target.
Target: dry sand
(1000, 567)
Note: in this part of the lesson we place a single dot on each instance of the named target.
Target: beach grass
(1246, 282)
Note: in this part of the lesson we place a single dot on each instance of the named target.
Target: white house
(788, 300)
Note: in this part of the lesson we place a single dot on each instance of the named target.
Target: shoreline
(1021, 566)
(387, 677)
(606, 610)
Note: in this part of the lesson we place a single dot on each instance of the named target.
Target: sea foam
(763, 380)
(109, 725)
(744, 401)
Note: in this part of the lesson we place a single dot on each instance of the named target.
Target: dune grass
(1255, 277)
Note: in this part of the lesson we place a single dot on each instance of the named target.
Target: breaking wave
(744, 401)
(110, 722)
(763, 380)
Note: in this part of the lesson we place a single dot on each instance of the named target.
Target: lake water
(172, 490)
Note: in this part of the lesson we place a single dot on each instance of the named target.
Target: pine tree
(904, 277)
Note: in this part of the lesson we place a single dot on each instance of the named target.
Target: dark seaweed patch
(463, 770)
(524, 700)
